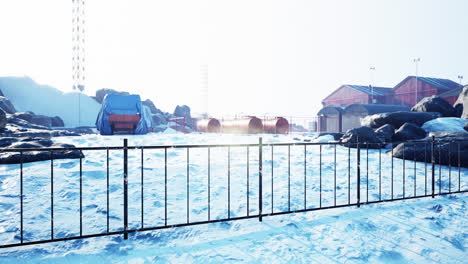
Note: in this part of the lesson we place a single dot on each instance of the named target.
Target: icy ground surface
(415, 231)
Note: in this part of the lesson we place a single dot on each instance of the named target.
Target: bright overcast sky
(263, 56)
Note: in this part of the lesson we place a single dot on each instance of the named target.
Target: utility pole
(78, 43)
(371, 85)
(460, 78)
(416, 61)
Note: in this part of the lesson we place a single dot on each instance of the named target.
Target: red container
(276, 125)
(247, 125)
(210, 125)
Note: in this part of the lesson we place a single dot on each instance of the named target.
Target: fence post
(433, 165)
(125, 188)
(358, 158)
(260, 178)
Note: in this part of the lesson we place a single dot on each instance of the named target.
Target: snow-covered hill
(27, 95)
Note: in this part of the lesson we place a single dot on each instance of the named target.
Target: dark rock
(397, 119)
(444, 151)
(458, 110)
(448, 135)
(336, 136)
(461, 105)
(151, 106)
(7, 141)
(466, 127)
(364, 135)
(23, 123)
(78, 130)
(435, 104)
(409, 131)
(159, 119)
(6, 105)
(3, 120)
(42, 120)
(26, 116)
(184, 111)
(1, 93)
(385, 133)
(57, 122)
(101, 93)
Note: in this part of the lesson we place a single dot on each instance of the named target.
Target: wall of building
(346, 96)
(406, 93)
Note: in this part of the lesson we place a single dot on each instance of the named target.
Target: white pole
(416, 61)
(371, 69)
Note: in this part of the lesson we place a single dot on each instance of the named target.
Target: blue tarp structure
(121, 105)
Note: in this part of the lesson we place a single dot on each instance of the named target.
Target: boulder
(34, 156)
(461, 105)
(1, 93)
(27, 116)
(364, 135)
(397, 119)
(159, 119)
(445, 124)
(57, 122)
(409, 131)
(42, 120)
(435, 104)
(13, 120)
(466, 127)
(101, 93)
(151, 106)
(6, 105)
(385, 133)
(445, 151)
(3, 120)
(184, 111)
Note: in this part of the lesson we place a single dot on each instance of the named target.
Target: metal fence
(317, 176)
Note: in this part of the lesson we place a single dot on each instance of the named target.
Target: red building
(452, 95)
(351, 94)
(405, 92)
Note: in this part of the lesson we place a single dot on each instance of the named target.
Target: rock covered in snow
(33, 156)
(466, 127)
(409, 131)
(324, 139)
(445, 124)
(361, 135)
(3, 119)
(57, 122)
(184, 111)
(26, 116)
(397, 119)
(435, 104)
(101, 93)
(461, 105)
(42, 120)
(6, 105)
(385, 133)
(152, 107)
(159, 119)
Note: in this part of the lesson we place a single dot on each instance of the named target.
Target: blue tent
(117, 104)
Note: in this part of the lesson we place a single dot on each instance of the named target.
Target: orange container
(246, 125)
(210, 125)
(276, 125)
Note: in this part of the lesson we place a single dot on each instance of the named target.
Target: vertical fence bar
(367, 171)
(260, 178)
(229, 182)
(248, 181)
(349, 175)
(272, 180)
(459, 168)
(305, 176)
(404, 170)
(81, 196)
(414, 152)
(440, 168)
(334, 176)
(142, 186)
(391, 174)
(380, 174)
(188, 185)
(358, 161)
(425, 168)
(320, 177)
(433, 165)
(125, 186)
(21, 197)
(289, 178)
(107, 189)
(165, 186)
(450, 166)
(51, 195)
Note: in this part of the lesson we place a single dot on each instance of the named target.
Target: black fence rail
(260, 180)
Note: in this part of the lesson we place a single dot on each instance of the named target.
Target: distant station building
(406, 91)
(352, 94)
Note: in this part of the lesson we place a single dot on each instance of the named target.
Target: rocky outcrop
(461, 105)
(3, 120)
(184, 111)
(6, 105)
(385, 133)
(409, 131)
(397, 119)
(101, 93)
(57, 122)
(365, 136)
(445, 151)
(435, 104)
(159, 119)
(152, 107)
(36, 155)
(26, 116)
(41, 120)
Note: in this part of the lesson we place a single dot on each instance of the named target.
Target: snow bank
(324, 139)
(446, 124)
(27, 95)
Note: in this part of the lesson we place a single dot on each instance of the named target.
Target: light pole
(416, 61)
(460, 78)
(371, 85)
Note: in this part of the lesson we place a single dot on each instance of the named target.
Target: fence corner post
(260, 178)
(125, 187)
(358, 159)
(433, 165)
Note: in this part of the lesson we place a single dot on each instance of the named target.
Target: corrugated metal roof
(443, 84)
(370, 109)
(379, 91)
(453, 92)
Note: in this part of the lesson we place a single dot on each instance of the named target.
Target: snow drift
(446, 124)
(27, 95)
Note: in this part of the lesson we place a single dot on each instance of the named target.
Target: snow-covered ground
(424, 230)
